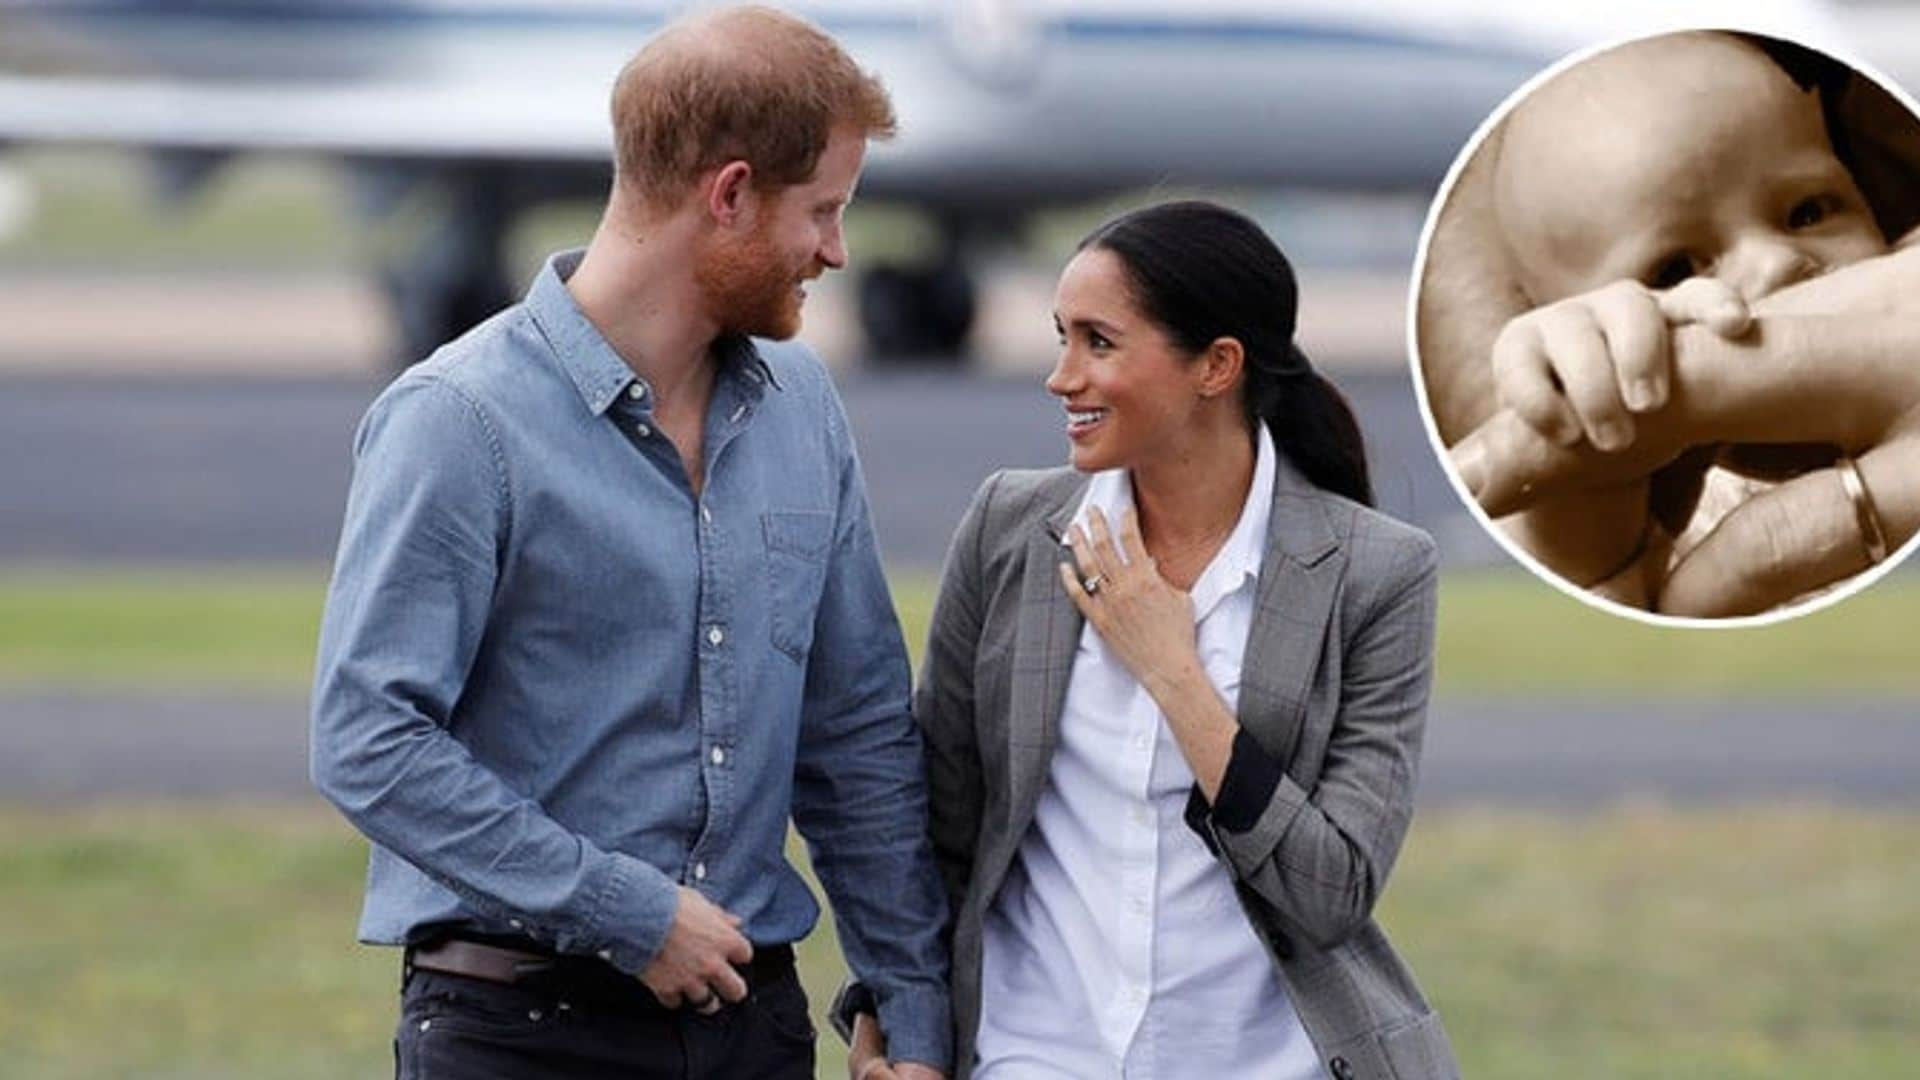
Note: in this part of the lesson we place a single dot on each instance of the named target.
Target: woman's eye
(1809, 212)
(1098, 340)
(1672, 271)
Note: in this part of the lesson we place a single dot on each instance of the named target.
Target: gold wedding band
(1872, 533)
(1092, 584)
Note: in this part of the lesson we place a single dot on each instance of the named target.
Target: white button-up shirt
(1116, 947)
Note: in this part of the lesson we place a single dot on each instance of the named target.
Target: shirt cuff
(1246, 789)
(919, 1026)
(633, 915)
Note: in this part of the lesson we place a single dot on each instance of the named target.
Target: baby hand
(1581, 367)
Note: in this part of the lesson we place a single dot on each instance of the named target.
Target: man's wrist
(853, 999)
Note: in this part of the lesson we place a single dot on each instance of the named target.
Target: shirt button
(605, 954)
(706, 515)
(719, 756)
(516, 924)
(642, 430)
(715, 636)
(700, 871)
(1142, 816)
(637, 391)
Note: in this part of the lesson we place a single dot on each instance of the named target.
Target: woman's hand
(1149, 625)
(1145, 621)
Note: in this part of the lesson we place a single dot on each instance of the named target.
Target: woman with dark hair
(1173, 698)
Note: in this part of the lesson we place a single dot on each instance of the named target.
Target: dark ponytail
(1202, 272)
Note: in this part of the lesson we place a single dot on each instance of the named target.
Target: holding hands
(1584, 366)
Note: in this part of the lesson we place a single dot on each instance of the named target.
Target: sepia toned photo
(1667, 329)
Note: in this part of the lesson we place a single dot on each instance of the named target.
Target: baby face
(1682, 155)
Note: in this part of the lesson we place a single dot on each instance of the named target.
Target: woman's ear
(1221, 365)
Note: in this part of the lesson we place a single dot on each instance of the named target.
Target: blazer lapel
(1045, 641)
(1293, 608)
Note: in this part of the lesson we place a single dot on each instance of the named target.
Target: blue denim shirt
(553, 684)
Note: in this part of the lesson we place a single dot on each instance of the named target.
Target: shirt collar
(598, 373)
(1240, 555)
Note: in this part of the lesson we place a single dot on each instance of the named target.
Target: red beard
(750, 289)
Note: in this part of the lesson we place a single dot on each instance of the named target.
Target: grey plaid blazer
(1334, 686)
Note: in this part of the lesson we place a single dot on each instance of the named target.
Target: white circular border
(1780, 613)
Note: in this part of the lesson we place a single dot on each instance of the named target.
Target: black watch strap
(853, 999)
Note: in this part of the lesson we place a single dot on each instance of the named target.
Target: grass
(213, 941)
(1500, 633)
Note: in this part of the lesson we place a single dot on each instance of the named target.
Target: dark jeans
(455, 1027)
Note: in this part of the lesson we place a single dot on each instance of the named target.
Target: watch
(853, 999)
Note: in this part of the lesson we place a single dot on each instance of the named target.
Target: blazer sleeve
(1319, 859)
(943, 701)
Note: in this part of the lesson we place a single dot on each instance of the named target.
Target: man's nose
(833, 248)
(1760, 265)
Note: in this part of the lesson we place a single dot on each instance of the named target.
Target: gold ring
(1872, 533)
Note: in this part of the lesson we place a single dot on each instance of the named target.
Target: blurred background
(224, 224)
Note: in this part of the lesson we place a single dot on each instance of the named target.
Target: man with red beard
(608, 612)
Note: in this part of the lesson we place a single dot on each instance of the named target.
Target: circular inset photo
(1666, 329)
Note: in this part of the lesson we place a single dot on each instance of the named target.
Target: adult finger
(1110, 560)
(1070, 581)
(727, 984)
(1773, 547)
(1636, 337)
(1084, 557)
(1523, 380)
(1133, 546)
(1507, 465)
(1708, 301)
(1580, 360)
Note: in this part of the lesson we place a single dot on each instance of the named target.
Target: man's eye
(1671, 271)
(1810, 212)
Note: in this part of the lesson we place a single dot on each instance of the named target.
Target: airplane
(499, 106)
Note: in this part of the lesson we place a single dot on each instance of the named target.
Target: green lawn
(214, 941)
(1500, 633)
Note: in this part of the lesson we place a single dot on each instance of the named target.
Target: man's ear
(1220, 366)
(729, 193)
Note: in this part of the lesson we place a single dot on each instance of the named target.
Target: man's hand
(1583, 366)
(867, 1057)
(1797, 537)
(695, 964)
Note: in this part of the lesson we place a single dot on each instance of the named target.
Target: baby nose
(1757, 267)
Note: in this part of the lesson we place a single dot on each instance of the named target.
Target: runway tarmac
(208, 469)
(1546, 753)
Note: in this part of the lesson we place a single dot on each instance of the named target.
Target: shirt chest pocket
(798, 542)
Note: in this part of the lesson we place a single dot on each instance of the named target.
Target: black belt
(527, 962)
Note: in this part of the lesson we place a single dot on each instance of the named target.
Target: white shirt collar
(1239, 557)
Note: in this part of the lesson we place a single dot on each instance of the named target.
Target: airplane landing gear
(913, 314)
(455, 276)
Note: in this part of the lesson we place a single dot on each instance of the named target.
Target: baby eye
(1671, 271)
(1811, 211)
